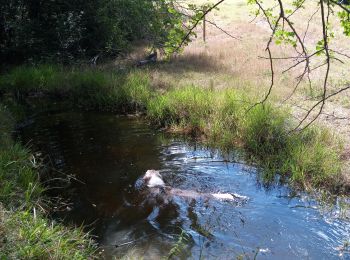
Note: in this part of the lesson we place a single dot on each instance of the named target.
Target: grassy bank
(310, 159)
(85, 88)
(25, 232)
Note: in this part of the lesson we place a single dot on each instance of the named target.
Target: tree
(63, 30)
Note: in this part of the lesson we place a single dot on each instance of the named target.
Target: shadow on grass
(185, 63)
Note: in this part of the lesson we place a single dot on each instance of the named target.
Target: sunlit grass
(309, 159)
(28, 236)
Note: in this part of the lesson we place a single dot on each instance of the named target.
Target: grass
(179, 247)
(181, 107)
(84, 87)
(25, 236)
(25, 232)
(308, 160)
(18, 179)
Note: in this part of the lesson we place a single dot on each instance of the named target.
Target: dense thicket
(64, 29)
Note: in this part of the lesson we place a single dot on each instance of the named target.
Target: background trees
(62, 30)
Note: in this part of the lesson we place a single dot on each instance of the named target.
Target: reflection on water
(107, 153)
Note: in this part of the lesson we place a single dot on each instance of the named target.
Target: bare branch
(318, 103)
(340, 5)
(306, 59)
(297, 9)
(184, 39)
(340, 53)
(308, 23)
(325, 82)
(224, 31)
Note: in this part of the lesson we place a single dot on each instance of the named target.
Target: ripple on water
(108, 154)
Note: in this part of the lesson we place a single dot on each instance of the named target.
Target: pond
(108, 153)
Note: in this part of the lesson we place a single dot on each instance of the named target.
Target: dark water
(107, 153)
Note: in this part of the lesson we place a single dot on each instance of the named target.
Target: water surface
(107, 153)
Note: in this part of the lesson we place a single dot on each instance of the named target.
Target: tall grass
(25, 232)
(25, 79)
(187, 107)
(18, 180)
(84, 87)
(310, 158)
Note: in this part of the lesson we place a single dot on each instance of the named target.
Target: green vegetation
(91, 31)
(308, 159)
(86, 88)
(64, 31)
(180, 246)
(28, 237)
(25, 233)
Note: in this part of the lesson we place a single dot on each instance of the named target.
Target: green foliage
(298, 3)
(286, 37)
(178, 35)
(63, 30)
(40, 29)
(123, 21)
(345, 21)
